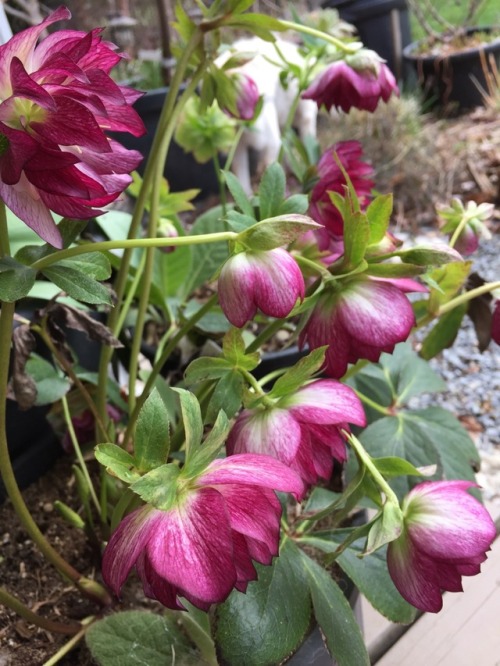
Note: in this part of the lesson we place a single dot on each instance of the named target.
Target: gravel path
(473, 380)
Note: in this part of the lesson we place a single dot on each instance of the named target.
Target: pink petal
(327, 401)
(236, 286)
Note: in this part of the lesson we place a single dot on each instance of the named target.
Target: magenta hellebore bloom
(203, 546)
(331, 179)
(57, 100)
(445, 536)
(360, 319)
(344, 86)
(304, 430)
(269, 280)
(247, 96)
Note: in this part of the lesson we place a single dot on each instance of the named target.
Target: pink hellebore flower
(360, 86)
(331, 179)
(304, 430)
(247, 96)
(57, 100)
(269, 280)
(204, 545)
(362, 319)
(445, 536)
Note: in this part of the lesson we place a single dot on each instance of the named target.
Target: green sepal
(386, 528)
(193, 423)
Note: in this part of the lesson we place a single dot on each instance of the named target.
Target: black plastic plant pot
(182, 171)
(382, 25)
(456, 81)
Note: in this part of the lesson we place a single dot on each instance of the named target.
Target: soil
(470, 147)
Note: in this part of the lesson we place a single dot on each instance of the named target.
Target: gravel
(473, 380)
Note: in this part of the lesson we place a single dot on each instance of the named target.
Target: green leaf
(77, 283)
(207, 258)
(300, 373)
(393, 466)
(335, 617)
(276, 231)
(369, 574)
(191, 417)
(171, 270)
(394, 270)
(443, 333)
(151, 441)
(16, 279)
(268, 623)
(239, 222)
(159, 486)
(356, 236)
(429, 256)
(297, 203)
(227, 395)
(239, 194)
(233, 347)
(271, 190)
(94, 264)
(448, 280)
(387, 527)
(117, 462)
(50, 386)
(213, 321)
(206, 367)
(379, 214)
(211, 446)
(136, 638)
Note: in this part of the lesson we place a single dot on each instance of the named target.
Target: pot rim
(409, 51)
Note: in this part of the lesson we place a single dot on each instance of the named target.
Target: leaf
(269, 622)
(239, 194)
(152, 440)
(117, 461)
(171, 270)
(335, 617)
(207, 258)
(276, 231)
(16, 279)
(233, 347)
(211, 446)
(227, 395)
(50, 386)
(299, 374)
(369, 574)
(271, 190)
(447, 279)
(94, 264)
(443, 333)
(137, 638)
(379, 214)
(77, 284)
(356, 236)
(158, 487)
(239, 222)
(191, 417)
(297, 203)
(206, 367)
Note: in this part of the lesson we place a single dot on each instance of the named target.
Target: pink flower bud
(247, 96)
(446, 535)
(269, 280)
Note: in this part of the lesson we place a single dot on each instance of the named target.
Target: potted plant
(453, 62)
(217, 487)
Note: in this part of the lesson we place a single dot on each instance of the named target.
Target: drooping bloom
(247, 96)
(57, 101)
(203, 546)
(360, 319)
(446, 535)
(495, 323)
(359, 81)
(331, 179)
(268, 280)
(303, 430)
(471, 218)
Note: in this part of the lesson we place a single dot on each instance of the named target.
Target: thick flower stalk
(331, 179)
(57, 101)
(302, 430)
(203, 545)
(268, 280)
(360, 318)
(359, 81)
(446, 535)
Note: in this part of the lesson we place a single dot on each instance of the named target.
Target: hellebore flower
(360, 319)
(359, 81)
(57, 100)
(268, 280)
(331, 179)
(203, 545)
(471, 219)
(303, 430)
(445, 536)
(246, 96)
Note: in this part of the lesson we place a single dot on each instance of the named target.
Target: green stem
(371, 403)
(104, 246)
(313, 265)
(468, 296)
(67, 647)
(4, 232)
(160, 362)
(264, 336)
(78, 452)
(313, 32)
(253, 383)
(33, 618)
(131, 292)
(368, 463)
(458, 231)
